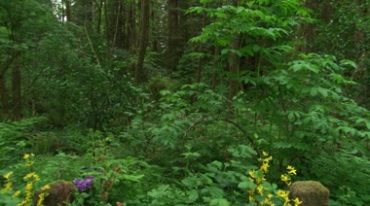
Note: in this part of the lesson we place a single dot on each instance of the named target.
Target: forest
(183, 103)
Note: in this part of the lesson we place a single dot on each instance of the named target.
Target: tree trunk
(171, 55)
(234, 70)
(131, 27)
(4, 97)
(68, 10)
(16, 92)
(144, 35)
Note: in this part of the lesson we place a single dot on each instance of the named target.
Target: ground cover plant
(171, 102)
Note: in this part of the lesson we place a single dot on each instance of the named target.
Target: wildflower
(265, 154)
(283, 194)
(31, 176)
(267, 200)
(7, 187)
(264, 167)
(252, 173)
(251, 198)
(297, 202)
(285, 178)
(291, 170)
(7, 175)
(259, 189)
(29, 193)
(41, 198)
(45, 187)
(29, 163)
(265, 164)
(27, 156)
(82, 185)
(16, 194)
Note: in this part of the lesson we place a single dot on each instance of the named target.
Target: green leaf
(246, 185)
(219, 202)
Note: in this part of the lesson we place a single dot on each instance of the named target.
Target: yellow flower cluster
(30, 179)
(42, 195)
(258, 178)
(286, 178)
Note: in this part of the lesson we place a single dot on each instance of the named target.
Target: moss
(311, 193)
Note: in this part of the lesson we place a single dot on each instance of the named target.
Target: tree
(143, 40)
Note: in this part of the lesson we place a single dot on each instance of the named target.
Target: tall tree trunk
(234, 63)
(171, 55)
(234, 70)
(143, 43)
(4, 97)
(119, 24)
(68, 10)
(100, 7)
(16, 92)
(154, 29)
(107, 29)
(131, 27)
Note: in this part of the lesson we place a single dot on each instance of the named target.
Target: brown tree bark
(143, 43)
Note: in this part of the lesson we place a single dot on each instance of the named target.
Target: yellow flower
(284, 178)
(41, 199)
(17, 193)
(265, 154)
(7, 187)
(268, 159)
(264, 167)
(283, 194)
(7, 175)
(291, 170)
(29, 163)
(45, 187)
(31, 176)
(29, 187)
(251, 198)
(252, 173)
(27, 156)
(297, 202)
(260, 189)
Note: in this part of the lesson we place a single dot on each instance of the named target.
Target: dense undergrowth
(246, 113)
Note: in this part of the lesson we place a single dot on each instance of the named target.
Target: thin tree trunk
(99, 16)
(132, 27)
(171, 55)
(143, 43)
(107, 28)
(117, 39)
(4, 96)
(16, 91)
(234, 70)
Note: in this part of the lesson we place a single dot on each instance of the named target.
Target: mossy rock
(60, 193)
(311, 193)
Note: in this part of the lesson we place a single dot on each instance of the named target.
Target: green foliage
(193, 143)
(14, 137)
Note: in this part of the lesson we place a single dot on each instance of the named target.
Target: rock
(311, 193)
(59, 193)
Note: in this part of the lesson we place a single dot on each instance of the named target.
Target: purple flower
(83, 184)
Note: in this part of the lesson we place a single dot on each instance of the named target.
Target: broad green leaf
(219, 202)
